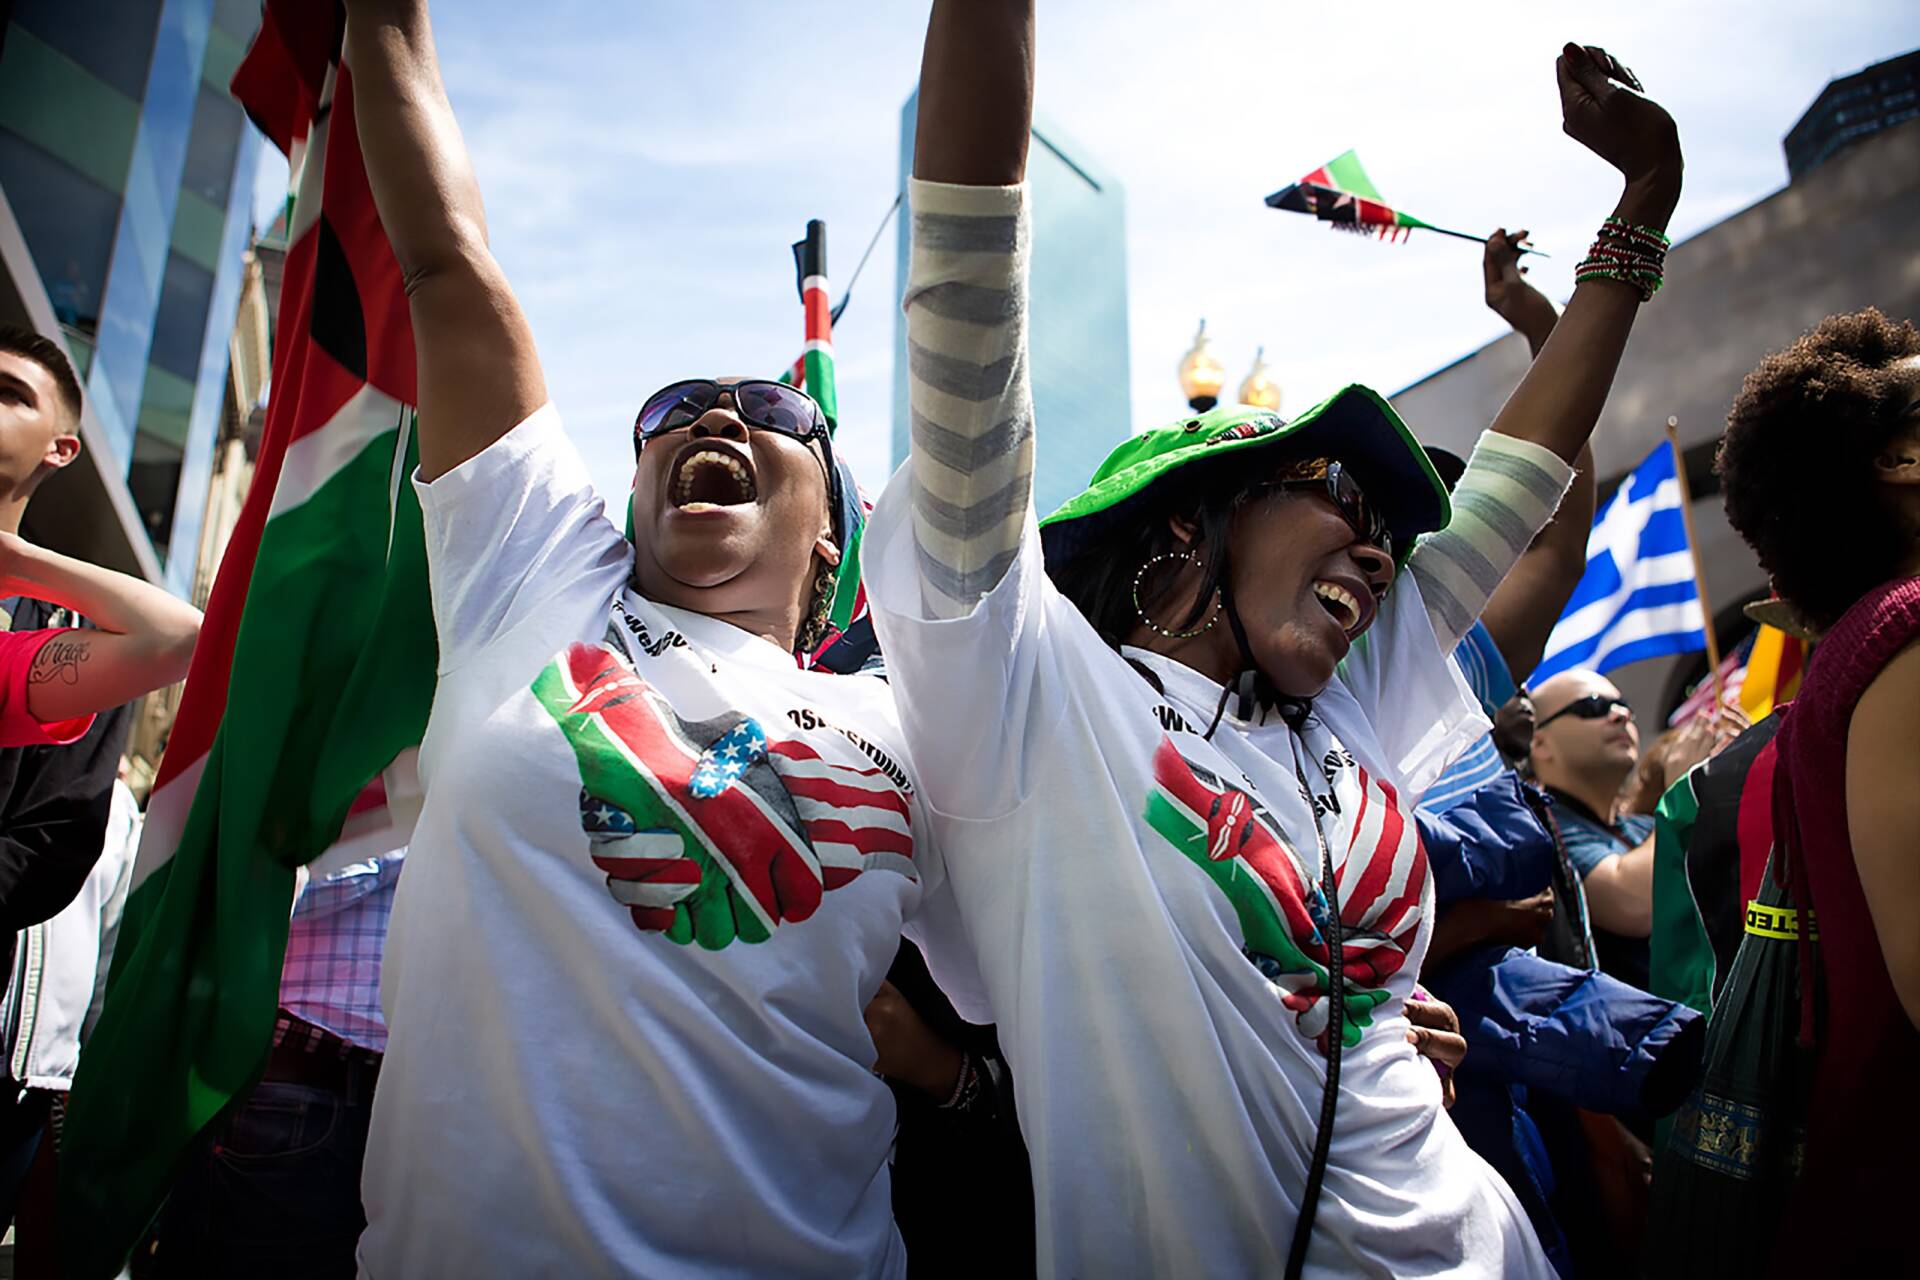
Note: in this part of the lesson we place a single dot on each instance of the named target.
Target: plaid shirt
(334, 946)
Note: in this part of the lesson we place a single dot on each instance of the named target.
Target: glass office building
(129, 171)
(1851, 108)
(1077, 335)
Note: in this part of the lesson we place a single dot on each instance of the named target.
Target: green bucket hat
(1354, 426)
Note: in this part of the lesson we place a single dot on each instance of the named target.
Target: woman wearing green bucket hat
(1171, 739)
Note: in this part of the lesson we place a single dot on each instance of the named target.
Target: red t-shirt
(18, 727)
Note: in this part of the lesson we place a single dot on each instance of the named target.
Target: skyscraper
(126, 183)
(1077, 339)
(1851, 108)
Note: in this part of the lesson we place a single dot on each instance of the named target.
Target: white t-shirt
(1141, 903)
(658, 875)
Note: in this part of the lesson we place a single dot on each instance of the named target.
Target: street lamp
(1260, 390)
(1201, 374)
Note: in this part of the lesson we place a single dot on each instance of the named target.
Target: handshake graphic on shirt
(699, 836)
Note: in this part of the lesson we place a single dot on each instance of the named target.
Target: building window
(181, 322)
(111, 38)
(210, 150)
(68, 222)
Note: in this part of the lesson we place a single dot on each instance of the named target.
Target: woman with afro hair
(1821, 469)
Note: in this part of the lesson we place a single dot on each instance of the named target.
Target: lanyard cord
(1255, 691)
(1336, 1019)
(1295, 712)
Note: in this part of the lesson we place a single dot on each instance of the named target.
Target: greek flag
(1637, 598)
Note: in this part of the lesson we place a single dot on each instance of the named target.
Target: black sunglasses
(771, 406)
(1595, 706)
(1338, 486)
(768, 406)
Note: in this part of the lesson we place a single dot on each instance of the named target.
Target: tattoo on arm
(59, 659)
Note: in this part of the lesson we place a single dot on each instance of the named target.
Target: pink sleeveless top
(18, 726)
(1864, 1125)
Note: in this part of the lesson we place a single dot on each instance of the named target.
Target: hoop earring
(1139, 577)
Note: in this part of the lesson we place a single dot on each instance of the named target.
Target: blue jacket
(1582, 1036)
(1537, 1028)
(1488, 845)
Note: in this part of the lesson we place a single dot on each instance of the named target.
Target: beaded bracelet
(1647, 283)
(961, 1084)
(1651, 236)
(1628, 253)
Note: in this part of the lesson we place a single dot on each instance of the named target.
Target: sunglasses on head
(1334, 482)
(769, 406)
(1595, 706)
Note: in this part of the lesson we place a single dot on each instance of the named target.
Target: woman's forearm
(966, 302)
(478, 371)
(976, 93)
(1559, 401)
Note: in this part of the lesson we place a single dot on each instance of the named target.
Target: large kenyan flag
(314, 675)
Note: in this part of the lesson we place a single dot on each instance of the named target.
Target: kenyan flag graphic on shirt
(709, 831)
(1231, 837)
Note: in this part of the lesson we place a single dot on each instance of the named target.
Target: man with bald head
(1585, 745)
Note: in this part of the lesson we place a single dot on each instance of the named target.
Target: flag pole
(1699, 574)
(1463, 235)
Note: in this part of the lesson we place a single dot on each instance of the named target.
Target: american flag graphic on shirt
(710, 831)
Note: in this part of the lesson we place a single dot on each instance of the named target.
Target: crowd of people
(1189, 883)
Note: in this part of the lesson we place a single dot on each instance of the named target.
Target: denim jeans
(277, 1190)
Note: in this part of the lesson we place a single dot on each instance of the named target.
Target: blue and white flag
(1638, 598)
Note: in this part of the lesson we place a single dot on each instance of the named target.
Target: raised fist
(1602, 109)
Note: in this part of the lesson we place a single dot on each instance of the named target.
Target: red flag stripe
(1378, 867)
(652, 870)
(819, 317)
(278, 83)
(865, 839)
(827, 791)
(801, 751)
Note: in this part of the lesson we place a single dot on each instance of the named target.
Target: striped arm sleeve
(1511, 488)
(968, 398)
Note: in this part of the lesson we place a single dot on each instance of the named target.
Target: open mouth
(707, 477)
(1341, 604)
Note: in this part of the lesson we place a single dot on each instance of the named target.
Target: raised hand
(976, 93)
(1602, 109)
(1501, 266)
(1509, 295)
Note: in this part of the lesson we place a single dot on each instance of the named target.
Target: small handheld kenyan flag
(1340, 194)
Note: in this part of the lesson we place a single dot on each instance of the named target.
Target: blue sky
(646, 165)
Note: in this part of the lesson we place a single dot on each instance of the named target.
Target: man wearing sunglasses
(1585, 745)
(660, 870)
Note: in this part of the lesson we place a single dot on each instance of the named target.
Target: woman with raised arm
(660, 870)
(1173, 780)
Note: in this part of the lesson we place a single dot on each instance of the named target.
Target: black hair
(1797, 462)
(1208, 494)
(46, 353)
